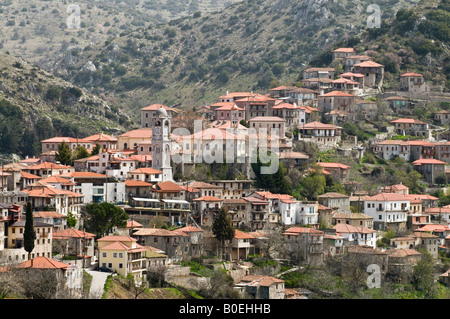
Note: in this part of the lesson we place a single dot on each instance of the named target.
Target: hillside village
(175, 174)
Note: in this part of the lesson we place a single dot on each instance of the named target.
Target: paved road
(98, 283)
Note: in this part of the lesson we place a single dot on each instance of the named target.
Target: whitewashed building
(388, 210)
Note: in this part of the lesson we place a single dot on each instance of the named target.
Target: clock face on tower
(157, 130)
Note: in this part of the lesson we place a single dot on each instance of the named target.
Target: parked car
(105, 269)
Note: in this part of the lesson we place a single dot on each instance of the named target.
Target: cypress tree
(64, 155)
(222, 228)
(29, 235)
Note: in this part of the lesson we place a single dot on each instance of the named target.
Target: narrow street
(98, 283)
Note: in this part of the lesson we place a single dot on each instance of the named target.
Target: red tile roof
(407, 121)
(384, 197)
(208, 199)
(113, 238)
(155, 107)
(411, 74)
(302, 230)
(72, 233)
(428, 161)
(346, 228)
(242, 235)
(318, 126)
(346, 50)
(28, 175)
(138, 133)
(169, 186)
(333, 165)
(145, 170)
(260, 280)
(368, 64)
(43, 263)
(337, 93)
(48, 165)
(136, 183)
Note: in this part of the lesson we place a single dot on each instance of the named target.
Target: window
(114, 255)
(120, 265)
(104, 254)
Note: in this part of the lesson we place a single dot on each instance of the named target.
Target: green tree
(80, 152)
(29, 234)
(64, 155)
(96, 149)
(100, 218)
(71, 220)
(275, 183)
(222, 228)
(313, 184)
(423, 279)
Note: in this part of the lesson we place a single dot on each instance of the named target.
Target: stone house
(261, 287)
(413, 83)
(442, 117)
(324, 135)
(171, 242)
(354, 219)
(430, 169)
(304, 244)
(342, 53)
(373, 73)
(336, 100)
(407, 126)
(336, 201)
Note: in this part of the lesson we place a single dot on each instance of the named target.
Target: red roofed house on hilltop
(413, 83)
(320, 73)
(336, 100)
(261, 287)
(342, 53)
(326, 136)
(338, 171)
(351, 60)
(407, 126)
(373, 73)
(430, 168)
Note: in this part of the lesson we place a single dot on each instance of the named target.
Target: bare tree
(156, 275)
(134, 288)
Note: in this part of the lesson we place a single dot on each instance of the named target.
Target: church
(161, 122)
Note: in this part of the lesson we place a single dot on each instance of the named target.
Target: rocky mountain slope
(38, 30)
(250, 45)
(35, 104)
